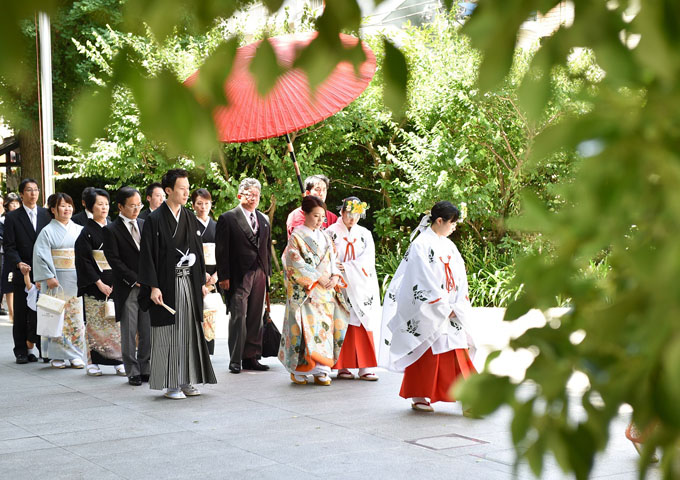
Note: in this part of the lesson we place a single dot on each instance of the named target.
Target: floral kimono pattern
(53, 257)
(315, 319)
(426, 305)
(102, 333)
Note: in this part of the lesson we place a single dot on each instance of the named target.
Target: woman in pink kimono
(316, 314)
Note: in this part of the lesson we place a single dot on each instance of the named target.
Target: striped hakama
(179, 354)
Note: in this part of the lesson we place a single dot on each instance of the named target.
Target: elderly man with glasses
(121, 247)
(243, 250)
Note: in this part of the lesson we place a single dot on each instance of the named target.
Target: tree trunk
(31, 163)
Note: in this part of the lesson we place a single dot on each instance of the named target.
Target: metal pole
(46, 102)
(295, 164)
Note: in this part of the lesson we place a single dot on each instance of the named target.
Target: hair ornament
(422, 226)
(356, 208)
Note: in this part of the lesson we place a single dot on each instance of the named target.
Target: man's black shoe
(32, 358)
(253, 364)
(145, 378)
(235, 367)
(135, 380)
(3, 311)
(45, 359)
(21, 359)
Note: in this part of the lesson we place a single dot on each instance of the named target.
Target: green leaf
(91, 114)
(339, 16)
(161, 17)
(521, 420)
(667, 397)
(273, 5)
(265, 67)
(214, 72)
(484, 392)
(534, 456)
(182, 124)
(493, 30)
(395, 72)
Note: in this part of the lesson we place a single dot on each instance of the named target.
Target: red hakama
(358, 350)
(432, 376)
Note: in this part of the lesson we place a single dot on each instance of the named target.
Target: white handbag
(110, 313)
(51, 302)
(212, 303)
(50, 310)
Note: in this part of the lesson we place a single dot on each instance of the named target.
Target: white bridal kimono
(428, 286)
(54, 256)
(356, 252)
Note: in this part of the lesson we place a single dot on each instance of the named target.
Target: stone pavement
(62, 424)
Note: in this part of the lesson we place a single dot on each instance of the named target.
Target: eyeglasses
(31, 190)
(136, 207)
(250, 195)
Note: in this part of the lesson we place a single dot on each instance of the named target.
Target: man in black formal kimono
(155, 196)
(122, 240)
(172, 274)
(243, 249)
(22, 227)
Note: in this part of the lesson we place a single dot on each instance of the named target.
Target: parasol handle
(291, 150)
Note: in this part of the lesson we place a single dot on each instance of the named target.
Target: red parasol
(290, 105)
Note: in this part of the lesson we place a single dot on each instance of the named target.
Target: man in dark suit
(155, 196)
(243, 250)
(84, 215)
(22, 227)
(121, 246)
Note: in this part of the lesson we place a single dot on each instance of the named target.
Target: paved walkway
(62, 424)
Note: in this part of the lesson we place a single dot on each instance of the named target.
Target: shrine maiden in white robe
(356, 252)
(426, 305)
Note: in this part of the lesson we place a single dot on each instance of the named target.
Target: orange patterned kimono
(316, 318)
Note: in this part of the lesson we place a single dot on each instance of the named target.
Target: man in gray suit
(121, 247)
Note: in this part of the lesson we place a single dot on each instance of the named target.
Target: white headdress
(424, 223)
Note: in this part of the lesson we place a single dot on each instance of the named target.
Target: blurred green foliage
(622, 331)
(499, 129)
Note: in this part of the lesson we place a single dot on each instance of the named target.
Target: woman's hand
(334, 281)
(104, 288)
(324, 281)
(205, 290)
(156, 296)
(52, 283)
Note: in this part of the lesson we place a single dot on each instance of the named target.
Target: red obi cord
(450, 284)
(349, 250)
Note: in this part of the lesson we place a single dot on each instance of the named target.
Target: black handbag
(271, 337)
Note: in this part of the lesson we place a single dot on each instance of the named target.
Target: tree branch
(355, 186)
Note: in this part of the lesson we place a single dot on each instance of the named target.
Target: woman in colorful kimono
(54, 266)
(201, 200)
(316, 314)
(95, 280)
(427, 314)
(356, 257)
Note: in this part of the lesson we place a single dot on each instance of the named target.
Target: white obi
(209, 254)
(64, 258)
(100, 258)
